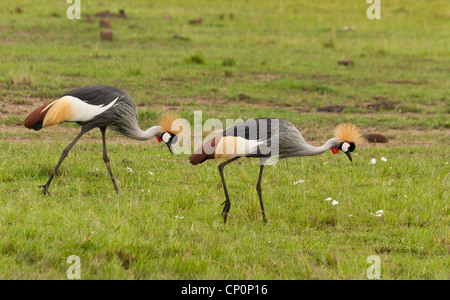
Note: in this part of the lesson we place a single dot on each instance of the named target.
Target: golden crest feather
(166, 121)
(348, 132)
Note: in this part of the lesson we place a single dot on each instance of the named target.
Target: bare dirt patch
(405, 82)
(331, 108)
(8, 108)
(380, 105)
(20, 106)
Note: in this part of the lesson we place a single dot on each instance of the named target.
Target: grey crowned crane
(269, 139)
(98, 106)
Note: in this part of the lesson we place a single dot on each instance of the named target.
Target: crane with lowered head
(99, 106)
(269, 139)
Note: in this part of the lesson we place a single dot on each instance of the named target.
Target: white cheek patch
(345, 147)
(165, 137)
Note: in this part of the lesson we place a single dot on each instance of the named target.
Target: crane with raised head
(269, 139)
(99, 106)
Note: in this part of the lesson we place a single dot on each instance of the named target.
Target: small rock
(196, 21)
(376, 138)
(106, 34)
(18, 9)
(122, 14)
(346, 62)
(105, 23)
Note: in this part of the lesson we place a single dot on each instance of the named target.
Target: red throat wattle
(159, 139)
(335, 150)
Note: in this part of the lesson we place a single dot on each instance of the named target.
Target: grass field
(246, 59)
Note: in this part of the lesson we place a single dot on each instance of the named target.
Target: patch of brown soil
(8, 108)
(331, 108)
(405, 82)
(380, 105)
(20, 107)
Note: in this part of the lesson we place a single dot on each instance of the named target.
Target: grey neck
(309, 150)
(140, 135)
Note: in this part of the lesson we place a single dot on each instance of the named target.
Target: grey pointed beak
(349, 156)
(170, 148)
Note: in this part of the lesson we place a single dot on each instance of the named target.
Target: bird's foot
(225, 216)
(45, 189)
(264, 217)
(226, 210)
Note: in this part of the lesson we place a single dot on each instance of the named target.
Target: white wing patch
(231, 146)
(82, 111)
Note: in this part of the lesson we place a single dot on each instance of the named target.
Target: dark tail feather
(206, 151)
(36, 118)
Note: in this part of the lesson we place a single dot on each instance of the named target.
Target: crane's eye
(165, 137)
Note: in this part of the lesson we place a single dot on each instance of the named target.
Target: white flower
(299, 181)
(334, 202)
(372, 161)
(383, 159)
(178, 217)
(328, 199)
(151, 173)
(129, 169)
(378, 213)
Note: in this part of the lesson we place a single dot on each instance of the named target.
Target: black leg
(106, 158)
(258, 189)
(63, 156)
(227, 202)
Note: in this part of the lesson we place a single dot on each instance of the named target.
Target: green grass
(168, 225)
(271, 60)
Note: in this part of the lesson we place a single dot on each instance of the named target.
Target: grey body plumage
(279, 133)
(122, 116)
